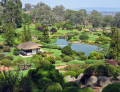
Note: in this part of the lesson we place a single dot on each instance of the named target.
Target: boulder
(91, 80)
(103, 81)
(80, 76)
(69, 78)
(118, 78)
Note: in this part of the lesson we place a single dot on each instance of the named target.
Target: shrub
(9, 57)
(38, 25)
(1, 46)
(53, 30)
(54, 87)
(71, 73)
(44, 75)
(76, 89)
(6, 49)
(19, 61)
(83, 57)
(114, 87)
(58, 58)
(43, 54)
(84, 36)
(67, 51)
(51, 59)
(112, 62)
(67, 59)
(96, 56)
(71, 84)
(93, 61)
(102, 39)
(118, 60)
(16, 51)
(2, 56)
(44, 62)
(80, 53)
(80, 28)
(79, 72)
(6, 62)
(101, 70)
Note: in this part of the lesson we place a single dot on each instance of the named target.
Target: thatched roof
(29, 45)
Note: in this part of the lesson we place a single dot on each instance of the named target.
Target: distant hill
(104, 11)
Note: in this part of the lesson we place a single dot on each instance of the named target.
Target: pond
(79, 47)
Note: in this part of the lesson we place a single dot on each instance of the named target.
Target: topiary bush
(18, 61)
(114, 87)
(76, 89)
(71, 73)
(67, 59)
(80, 28)
(2, 56)
(101, 70)
(71, 84)
(54, 87)
(6, 62)
(6, 49)
(79, 72)
(1, 46)
(95, 55)
(67, 51)
(44, 75)
(9, 57)
(83, 57)
(84, 36)
(16, 51)
(58, 58)
(51, 59)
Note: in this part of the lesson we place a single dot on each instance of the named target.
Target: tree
(9, 34)
(45, 75)
(107, 20)
(59, 11)
(1, 12)
(26, 18)
(46, 37)
(95, 18)
(67, 51)
(28, 6)
(27, 36)
(116, 22)
(12, 12)
(114, 49)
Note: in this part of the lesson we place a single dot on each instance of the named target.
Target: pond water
(79, 47)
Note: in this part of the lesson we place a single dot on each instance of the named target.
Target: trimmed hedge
(67, 59)
(114, 87)
(71, 84)
(71, 73)
(9, 57)
(6, 62)
(54, 87)
(6, 49)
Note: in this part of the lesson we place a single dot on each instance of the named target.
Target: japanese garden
(55, 49)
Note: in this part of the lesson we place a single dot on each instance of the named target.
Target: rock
(103, 81)
(91, 80)
(118, 78)
(80, 76)
(68, 78)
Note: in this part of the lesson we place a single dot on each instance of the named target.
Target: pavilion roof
(29, 45)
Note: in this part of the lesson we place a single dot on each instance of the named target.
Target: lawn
(57, 52)
(16, 57)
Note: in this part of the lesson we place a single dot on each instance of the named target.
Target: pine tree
(114, 50)
(46, 37)
(9, 35)
(26, 34)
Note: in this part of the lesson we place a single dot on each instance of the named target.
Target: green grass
(16, 57)
(1, 38)
(76, 62)
(56, 51)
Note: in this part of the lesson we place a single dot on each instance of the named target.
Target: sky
(74, 4)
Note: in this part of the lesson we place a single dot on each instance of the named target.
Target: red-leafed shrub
(53, 30)
(112, 62)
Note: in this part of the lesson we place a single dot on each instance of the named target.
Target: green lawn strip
(57, 52)
(76, 62)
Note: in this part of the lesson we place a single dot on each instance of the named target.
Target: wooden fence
(24, 66)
